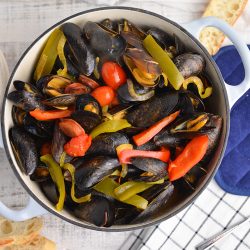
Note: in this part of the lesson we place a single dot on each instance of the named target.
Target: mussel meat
(152, 110)
(93, 170)
(87, 102)
(40, 174)
(24, 148)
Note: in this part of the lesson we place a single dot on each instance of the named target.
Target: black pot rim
(127, 227)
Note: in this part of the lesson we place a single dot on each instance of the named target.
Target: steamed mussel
(107, 123)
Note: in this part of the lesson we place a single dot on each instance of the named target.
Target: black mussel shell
(25, 151)
(25, 100)
(152, 110)
(103, 40)
(93, 170)
(81, 56)
(151, 165)
(98, 211)
(148, 146)
(58, 141)
(163, 38)
(167, 139)
(109, 24)
(156, 204)
(20, 85)
(189, 64)
(50, 190)
(106, 144)
(64, 100)
(88, 120)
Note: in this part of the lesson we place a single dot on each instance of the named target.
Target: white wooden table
(21, 21)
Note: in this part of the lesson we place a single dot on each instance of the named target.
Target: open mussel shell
(156, 204)
(53, 85)
(109, 24)
(194, 176)
(64, 100)
(162, 37)
(112, 44)
(80, 54)
(106, 144)
(133, 92)
(58, 141)
(20, 85)
(152, 110)
(40, 174)
(88, 120)
(25, 100)
(151, 165)
(93, 170)
(43, 129)
(98, 211)
(24, 148)
(189, 103)
(88, 103)
(189, 64)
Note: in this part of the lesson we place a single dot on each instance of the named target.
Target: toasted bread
(229, 11)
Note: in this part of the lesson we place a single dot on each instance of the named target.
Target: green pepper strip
(57, 177)
(130, 188)
(204, 93)
(109, 126)
(48, 56)
(168, 67)
(85, 198)
(107, 186)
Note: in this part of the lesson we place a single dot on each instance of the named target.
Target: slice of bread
(229, 11)
(38, 243)
(19, 232)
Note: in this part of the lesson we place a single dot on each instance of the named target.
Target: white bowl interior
(216, 104)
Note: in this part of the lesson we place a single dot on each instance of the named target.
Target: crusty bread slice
(19, 232)
(38, 243)
(229, 11)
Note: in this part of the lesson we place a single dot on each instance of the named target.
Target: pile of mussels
(114, 121)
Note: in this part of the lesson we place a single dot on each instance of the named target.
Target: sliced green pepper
(85, 198)
(168, 67)
(57, 177)
(109, 126)
(130, 188)
(203, 92)
(48, 56)
(108, 185)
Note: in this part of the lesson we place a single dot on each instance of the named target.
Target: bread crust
(229, 11)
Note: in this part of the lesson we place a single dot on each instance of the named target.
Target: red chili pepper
(78, 146)
(126, 155)
(149, 133)
(189, 157)
(42, 115)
